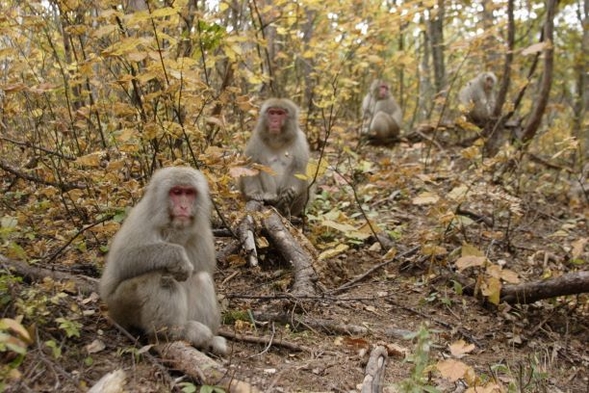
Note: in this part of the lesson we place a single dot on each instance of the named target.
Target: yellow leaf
(433, 250)
(163, 12)
(426, 198)
(535, 48)
(374, 59)
(312, 168)
(469, 261)
(333, 252)
(560, 233)
(452, 370)
(338, 226)
(17, 328)
(239, 171)
(460, 348)
(510, 276)
(103, 30)
(494, 271)
(491, 288)
(91, 160)
(578, 247)
(458, 193)
(468, 249)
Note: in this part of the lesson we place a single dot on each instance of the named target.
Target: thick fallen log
(374, 376)
(567, 284)
(279, 232)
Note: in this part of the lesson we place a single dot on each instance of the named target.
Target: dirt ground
(541, 347)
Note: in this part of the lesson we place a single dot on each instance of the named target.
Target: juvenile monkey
(478, 98)
(159, 271)
(382, 116)
(279, 144)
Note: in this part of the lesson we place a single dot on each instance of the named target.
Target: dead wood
(361, 277)
(185, 358)
(567, 284)
(113, 382)
(374, 376)
(268, 341)
(280, 232)
(299, 322)
(246, 231)
(36, 179)
(86, 285)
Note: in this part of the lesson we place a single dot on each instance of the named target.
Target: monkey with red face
(478, 98)
(159, 272)
(382, 116)
(279, 144)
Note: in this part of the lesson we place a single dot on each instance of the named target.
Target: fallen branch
(297, 321)
(246, 231)
(526, 293)
(86, 285)
(293, 252)
(35, 179)
(372, 270)
(185, 358)
(374, 376)
(279, 232)
(268, 341)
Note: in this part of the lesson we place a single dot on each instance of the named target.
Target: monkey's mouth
(182, 221)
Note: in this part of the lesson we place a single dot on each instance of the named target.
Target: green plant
(418, 382)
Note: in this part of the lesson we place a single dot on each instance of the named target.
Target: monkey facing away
(382, 116)
(279, 144)
(478, 98)
(159, 271)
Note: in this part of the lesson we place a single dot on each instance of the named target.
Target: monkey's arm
(132, 262)
(258, 188)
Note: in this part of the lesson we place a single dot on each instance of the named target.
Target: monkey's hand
(285, 199)
(180, 269)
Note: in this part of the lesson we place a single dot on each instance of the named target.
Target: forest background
(95, 95)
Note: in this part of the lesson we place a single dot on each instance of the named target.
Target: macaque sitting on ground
(279, 144)
(382, 116)
(159, 272)
(478, 98)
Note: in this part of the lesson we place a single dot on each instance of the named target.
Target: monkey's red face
(383, 91)
(489, 84)
(276, 119)
(182, 204)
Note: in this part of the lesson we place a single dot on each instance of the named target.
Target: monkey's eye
(276, 112)
(183, 191)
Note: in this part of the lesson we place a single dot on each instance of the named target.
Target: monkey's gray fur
(287, 154)
(159, 276)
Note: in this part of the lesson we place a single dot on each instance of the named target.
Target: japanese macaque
(279, 144)
(382, 116)
(478, 98)
(159, 271)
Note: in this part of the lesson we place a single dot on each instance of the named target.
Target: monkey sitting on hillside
(382, 116)
(159, 272)
(478, 98)
(279, 144)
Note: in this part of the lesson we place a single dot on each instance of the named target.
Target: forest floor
(413, 305)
